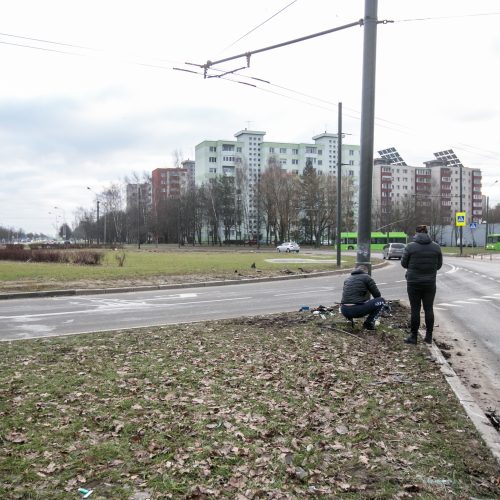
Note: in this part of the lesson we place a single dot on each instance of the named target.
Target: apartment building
(250, 154)
(434, 186)
(168, 183)
(136, 192)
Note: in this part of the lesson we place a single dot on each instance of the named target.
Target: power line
(257, 27)
(408, 131)
(440, 18)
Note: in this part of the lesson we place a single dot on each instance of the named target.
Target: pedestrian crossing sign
(460, 219)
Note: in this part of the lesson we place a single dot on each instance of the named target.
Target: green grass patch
(276, 405)
(160, 267)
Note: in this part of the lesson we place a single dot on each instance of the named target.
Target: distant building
(252, 154)
(190, 166)
(168, 183)
(433, 186)
(133, 192)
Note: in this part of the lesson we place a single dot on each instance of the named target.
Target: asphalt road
(468, 293)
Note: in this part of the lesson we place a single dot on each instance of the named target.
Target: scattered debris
(494, 419)
(86, 493)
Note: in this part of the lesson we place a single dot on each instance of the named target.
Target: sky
(89, 96)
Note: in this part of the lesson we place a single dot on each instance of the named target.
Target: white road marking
(464, 302)
(447, 305)
(92, 311)
(302, 292)
(480, 300)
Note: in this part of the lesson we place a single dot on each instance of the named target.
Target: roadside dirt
(467, 359)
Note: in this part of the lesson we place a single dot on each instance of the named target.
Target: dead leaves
(212, 409)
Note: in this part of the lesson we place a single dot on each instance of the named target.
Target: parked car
(393, 251)
(289, 246)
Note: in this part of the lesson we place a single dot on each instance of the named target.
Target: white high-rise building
(252, 154)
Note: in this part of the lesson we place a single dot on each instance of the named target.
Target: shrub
(87, 257)
(120, 258)
(61, 256)
(15, 252)
(49, 256)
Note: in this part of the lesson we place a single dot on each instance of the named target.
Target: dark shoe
(369, 326)
(428, 338)
(411, 339)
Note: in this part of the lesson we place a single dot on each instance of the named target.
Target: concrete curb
(489, 434)
(147, 288)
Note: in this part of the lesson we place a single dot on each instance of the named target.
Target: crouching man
(356, 301)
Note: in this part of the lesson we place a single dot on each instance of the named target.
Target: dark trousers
(421, 295)
(371, 308)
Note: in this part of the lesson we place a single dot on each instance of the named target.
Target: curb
(481, 422)
(147, 288)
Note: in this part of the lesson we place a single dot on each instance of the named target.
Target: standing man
(422, 258)
(356, 301)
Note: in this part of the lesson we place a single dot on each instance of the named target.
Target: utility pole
(138, 216)
(461, 230)
(339, 184)
(367, 133)
(97, 222)
(487, 216)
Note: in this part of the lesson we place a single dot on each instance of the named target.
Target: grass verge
(281, 406)
(148, 267)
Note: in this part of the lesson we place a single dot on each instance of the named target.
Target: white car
(289, 246)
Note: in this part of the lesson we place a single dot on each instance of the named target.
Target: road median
(287, 405)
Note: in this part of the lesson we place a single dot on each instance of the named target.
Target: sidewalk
(280, 406)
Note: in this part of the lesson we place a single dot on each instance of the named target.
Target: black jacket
(422, 258)
(358, 287)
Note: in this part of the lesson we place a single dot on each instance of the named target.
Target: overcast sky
(94, 98)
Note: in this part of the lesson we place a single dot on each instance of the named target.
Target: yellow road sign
(459, 219)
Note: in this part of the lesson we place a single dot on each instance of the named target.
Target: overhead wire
(260, 25)
(408, 130)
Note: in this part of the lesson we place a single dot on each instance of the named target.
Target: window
(283, 151)
(227, 147)
(295, 151)
(212, 159)
(320, 162)
(311, 150)
(271, 150)
(238, 149)
(212, 170)
(283, 161)
(295, 161)
(351, 152)
(213, 149)
(320, 151)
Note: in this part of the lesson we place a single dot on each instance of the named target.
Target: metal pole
(339, 184)
(461, 230)
(487, 216)
(367, 132)
(138, 216)
(97, 224)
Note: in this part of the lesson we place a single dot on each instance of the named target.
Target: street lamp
(97, 219)
(64, 221)
(487, 216)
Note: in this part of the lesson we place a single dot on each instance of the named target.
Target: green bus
(493, 242)
(349, 241)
